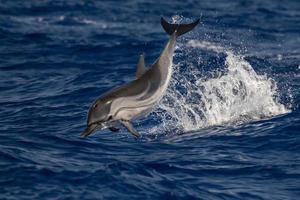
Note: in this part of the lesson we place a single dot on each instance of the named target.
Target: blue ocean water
(227, 128)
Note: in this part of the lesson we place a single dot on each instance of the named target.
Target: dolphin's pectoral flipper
(114, 129)
(180, 28)
(141, 69)
(130, 128)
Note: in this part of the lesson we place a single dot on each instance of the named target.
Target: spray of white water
(236, 96)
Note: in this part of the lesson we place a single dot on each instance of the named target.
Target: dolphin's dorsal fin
(140, 70)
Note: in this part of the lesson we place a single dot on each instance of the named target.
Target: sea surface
(227, 128)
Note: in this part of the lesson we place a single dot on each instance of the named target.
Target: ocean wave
(236, 95)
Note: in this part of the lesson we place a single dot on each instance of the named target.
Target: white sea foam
(235, 96)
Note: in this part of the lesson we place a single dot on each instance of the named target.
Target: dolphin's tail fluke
(180, 28)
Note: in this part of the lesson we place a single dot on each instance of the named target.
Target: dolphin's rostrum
(135, 99)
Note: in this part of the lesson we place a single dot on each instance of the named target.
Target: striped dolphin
(122, 105)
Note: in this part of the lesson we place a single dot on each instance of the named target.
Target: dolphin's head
(99, 116)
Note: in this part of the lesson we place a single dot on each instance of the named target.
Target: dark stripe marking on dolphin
(136, 98)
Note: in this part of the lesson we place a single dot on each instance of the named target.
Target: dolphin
(128, 102)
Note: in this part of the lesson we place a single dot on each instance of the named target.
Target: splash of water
(236, 96)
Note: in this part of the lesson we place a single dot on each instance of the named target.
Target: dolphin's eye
(110, 117)
(96, 105)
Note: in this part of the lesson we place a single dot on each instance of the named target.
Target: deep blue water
(57, 57)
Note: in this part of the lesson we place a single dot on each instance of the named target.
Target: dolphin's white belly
(166, 82)
(133, 107)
